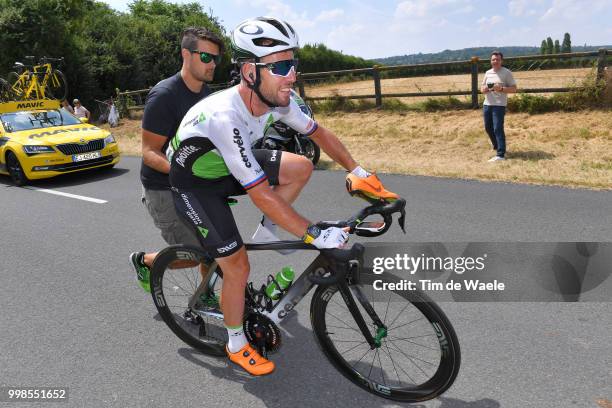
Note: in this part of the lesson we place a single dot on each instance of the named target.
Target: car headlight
(36, 149)
(109, 139)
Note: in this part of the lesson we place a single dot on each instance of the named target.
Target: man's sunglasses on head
(280, 68)
(206, 57)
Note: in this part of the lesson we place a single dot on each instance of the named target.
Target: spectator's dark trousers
(494, 125)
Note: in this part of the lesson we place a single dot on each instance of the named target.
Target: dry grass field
(525, 79)
(568, 149)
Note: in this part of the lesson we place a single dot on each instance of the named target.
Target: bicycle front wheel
(417, 356)
(187, 301)
(57, 88)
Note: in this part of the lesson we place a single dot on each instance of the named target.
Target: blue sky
(396, 27)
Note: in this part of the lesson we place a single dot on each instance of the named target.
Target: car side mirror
(84, 120)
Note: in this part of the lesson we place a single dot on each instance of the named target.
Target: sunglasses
(280, 68)
(206, 57)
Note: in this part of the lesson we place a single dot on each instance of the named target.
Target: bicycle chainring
(262, 333)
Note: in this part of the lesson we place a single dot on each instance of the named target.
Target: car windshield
(17, 121)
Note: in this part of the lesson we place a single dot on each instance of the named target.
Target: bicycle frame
(313, 275)
(29, 83)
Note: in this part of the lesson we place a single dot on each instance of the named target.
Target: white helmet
(261, 36)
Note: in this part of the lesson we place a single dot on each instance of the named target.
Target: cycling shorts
(206, 210)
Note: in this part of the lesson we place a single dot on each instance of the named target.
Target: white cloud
(427, 8)
(412, 8)
(488, 23)
(517, 7)
(329, 15)
(573, 10)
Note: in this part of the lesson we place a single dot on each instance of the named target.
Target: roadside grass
(572, 149)
(563, 148)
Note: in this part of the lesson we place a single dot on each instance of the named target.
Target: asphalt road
(73, 315)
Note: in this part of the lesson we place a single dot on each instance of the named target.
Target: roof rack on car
(34, 104)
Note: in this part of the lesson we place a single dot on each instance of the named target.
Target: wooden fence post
(377, 91)
(301, 87)
(474, 70)
(601, 63)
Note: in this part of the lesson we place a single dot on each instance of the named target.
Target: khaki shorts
(160, 205)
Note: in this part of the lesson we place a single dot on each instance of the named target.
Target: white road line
(78, 197)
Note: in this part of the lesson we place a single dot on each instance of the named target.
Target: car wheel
(15, 170)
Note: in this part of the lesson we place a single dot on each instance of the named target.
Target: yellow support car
(38, 139)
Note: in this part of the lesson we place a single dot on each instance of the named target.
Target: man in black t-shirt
(165, 106)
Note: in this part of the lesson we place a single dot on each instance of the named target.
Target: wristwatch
(312, 233)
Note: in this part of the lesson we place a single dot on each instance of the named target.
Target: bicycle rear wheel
(57, 87)
(418, 357)
(187, 303)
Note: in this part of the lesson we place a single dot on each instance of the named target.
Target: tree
(549, 46)
(567, 43)
(557, 47)
(543, 47)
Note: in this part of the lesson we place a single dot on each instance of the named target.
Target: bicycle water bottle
(284, 279)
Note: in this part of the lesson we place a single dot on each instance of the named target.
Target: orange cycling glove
(369, 188)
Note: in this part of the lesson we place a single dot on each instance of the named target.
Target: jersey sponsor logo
(184, 153)
(203, 231)
(198, 119)
(227, 248)
(191, 213)
(238, 140)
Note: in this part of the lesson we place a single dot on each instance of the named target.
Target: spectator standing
(79, 110)
(67, 106)
(498, 82)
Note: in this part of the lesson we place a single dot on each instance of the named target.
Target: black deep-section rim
(158, 273)
(450, 356)
(57, 92)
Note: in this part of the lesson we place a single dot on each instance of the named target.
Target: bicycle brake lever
(402, 221)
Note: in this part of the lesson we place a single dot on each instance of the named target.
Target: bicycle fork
(347, 294)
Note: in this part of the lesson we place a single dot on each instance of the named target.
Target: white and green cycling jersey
(214, 139)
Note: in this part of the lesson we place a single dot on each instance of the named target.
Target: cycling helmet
(257, 37)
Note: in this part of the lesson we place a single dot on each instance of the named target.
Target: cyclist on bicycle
(211, 159)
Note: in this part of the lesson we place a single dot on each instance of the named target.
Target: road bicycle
(397, 345)
(41, 82)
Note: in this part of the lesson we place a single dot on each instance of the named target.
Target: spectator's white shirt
(80, 111)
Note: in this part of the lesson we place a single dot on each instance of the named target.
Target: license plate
(85, 156)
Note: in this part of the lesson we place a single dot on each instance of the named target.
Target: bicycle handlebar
(386, 210)
(342, 257)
